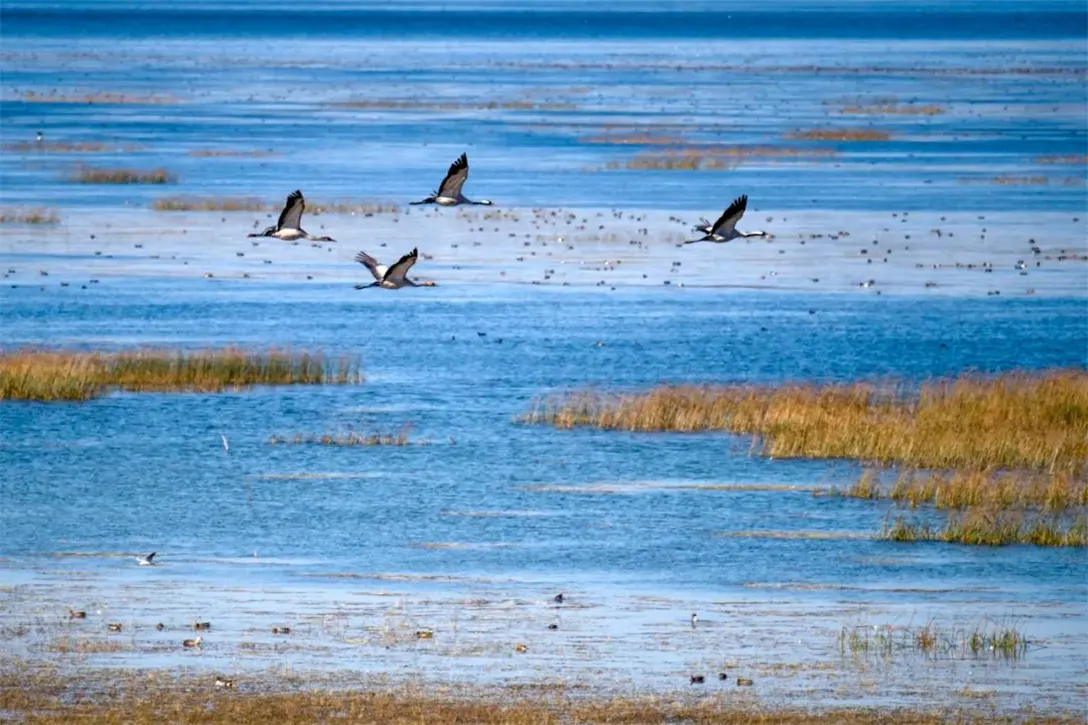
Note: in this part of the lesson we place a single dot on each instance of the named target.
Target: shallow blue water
(526, 92)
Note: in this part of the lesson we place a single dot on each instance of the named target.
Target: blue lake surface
(558, 106)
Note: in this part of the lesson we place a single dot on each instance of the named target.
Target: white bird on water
(449, 191)
(725, 229)
(146, 560)
(393, 277)
(289, 226)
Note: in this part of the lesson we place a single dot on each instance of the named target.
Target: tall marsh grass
(962, 489)
(67, 375)
(988, 526)
(28, 216)
(932, 640)
(88, 175)
(844, 134)
(1029, 420)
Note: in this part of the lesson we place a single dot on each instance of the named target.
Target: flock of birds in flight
(289, 228)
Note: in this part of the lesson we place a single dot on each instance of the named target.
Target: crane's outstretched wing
(378, 270)
(400, 268)
(291, 216)
(455, 178)
(728, 220)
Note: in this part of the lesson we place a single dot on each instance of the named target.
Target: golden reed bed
(1029, 420)
(68, 375)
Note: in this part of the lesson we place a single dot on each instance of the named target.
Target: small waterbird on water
(41, 137)
(694, 619)
(73, 614)
(393, 277)
(192, 642)
(113, 627)
(202, 625)
(725, 229)
(449, 191)
(289, 225)
(146, 560)
(558, 598)
(698, 679)
(224, 683)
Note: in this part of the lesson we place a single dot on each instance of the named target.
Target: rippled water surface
(577, 123)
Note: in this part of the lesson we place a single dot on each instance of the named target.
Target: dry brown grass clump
(1072, 159)
(231, 153)
(178, 203)
(992, 526)
(28, 216)
(93, 98)
(841, 134)
(406, 104)
(348, 439)
(894, 109)
(711, 157)
(189, 203)
(68, 375)
(77, 645)
(66, 147)
(1020, 180)
(632, 139)
(87, 175)
(957, 490)
(1032, 420)
(146, 698)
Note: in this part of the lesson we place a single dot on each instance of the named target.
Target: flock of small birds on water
(197, 642)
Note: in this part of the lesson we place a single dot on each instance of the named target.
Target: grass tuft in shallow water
(67, 375)
(840, 134)
(1031, 420)
(348, 440)
(28, 216)
(983, 526)
(88, 175)
(933, 641)
(962, 489)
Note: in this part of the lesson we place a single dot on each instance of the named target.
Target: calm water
(486, 508)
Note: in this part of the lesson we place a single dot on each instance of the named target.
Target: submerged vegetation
(67, 147)
(348, 439)
(708, 157)
(69, 375)
(933, 641)
(1016, 420)
(88, 175)
(963, 489)
(28, 216)
(842, 134)
(991, 526)
(189, 203)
